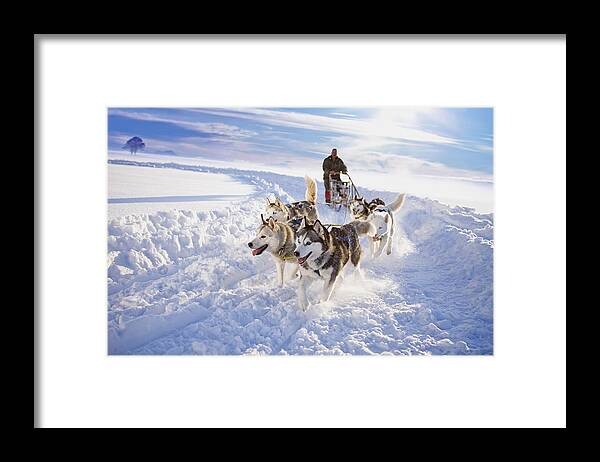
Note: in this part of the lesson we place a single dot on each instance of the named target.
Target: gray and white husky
(277, 239)
(361, 208)
(382, 217)
(323, 255)
(294, 212)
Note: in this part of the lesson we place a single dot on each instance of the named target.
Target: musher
(332, 165)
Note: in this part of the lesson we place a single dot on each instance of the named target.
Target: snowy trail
(183, 282)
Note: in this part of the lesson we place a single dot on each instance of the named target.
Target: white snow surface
(183, 282)
(146, 190)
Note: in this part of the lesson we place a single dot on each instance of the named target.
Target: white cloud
(385, 124)
(203, 127)
(342, 114)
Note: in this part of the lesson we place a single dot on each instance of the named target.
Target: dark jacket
(331, 165)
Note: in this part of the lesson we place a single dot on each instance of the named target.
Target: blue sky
(389, 144)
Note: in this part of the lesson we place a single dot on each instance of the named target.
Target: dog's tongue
(301, 260)
(259, 250)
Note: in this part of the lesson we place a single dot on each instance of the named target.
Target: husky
(324, 254)
(361, 209)
(294, 212)
(382, 217)
(276, 238)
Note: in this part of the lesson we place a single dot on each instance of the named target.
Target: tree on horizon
(134, 145)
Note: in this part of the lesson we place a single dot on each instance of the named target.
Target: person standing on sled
(334, 165)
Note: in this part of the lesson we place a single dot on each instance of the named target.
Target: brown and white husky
(277, 239)
(294, 212)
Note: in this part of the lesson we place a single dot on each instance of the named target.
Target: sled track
(183, 282)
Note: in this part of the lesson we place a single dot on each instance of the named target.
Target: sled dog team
(293, 234)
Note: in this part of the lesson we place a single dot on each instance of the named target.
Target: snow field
(184, 282)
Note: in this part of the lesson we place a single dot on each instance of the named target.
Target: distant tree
(135, 144)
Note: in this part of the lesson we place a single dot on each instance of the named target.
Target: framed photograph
(246, 231)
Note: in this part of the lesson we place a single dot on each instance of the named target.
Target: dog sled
(343, 191)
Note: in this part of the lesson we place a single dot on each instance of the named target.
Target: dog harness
(305, 266)
(295, 223)
(286, 254)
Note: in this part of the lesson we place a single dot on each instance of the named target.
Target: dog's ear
(271, 222)
(319, 228)
(304, 222)
(263, 219)
(268, 201)
(278, 201)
